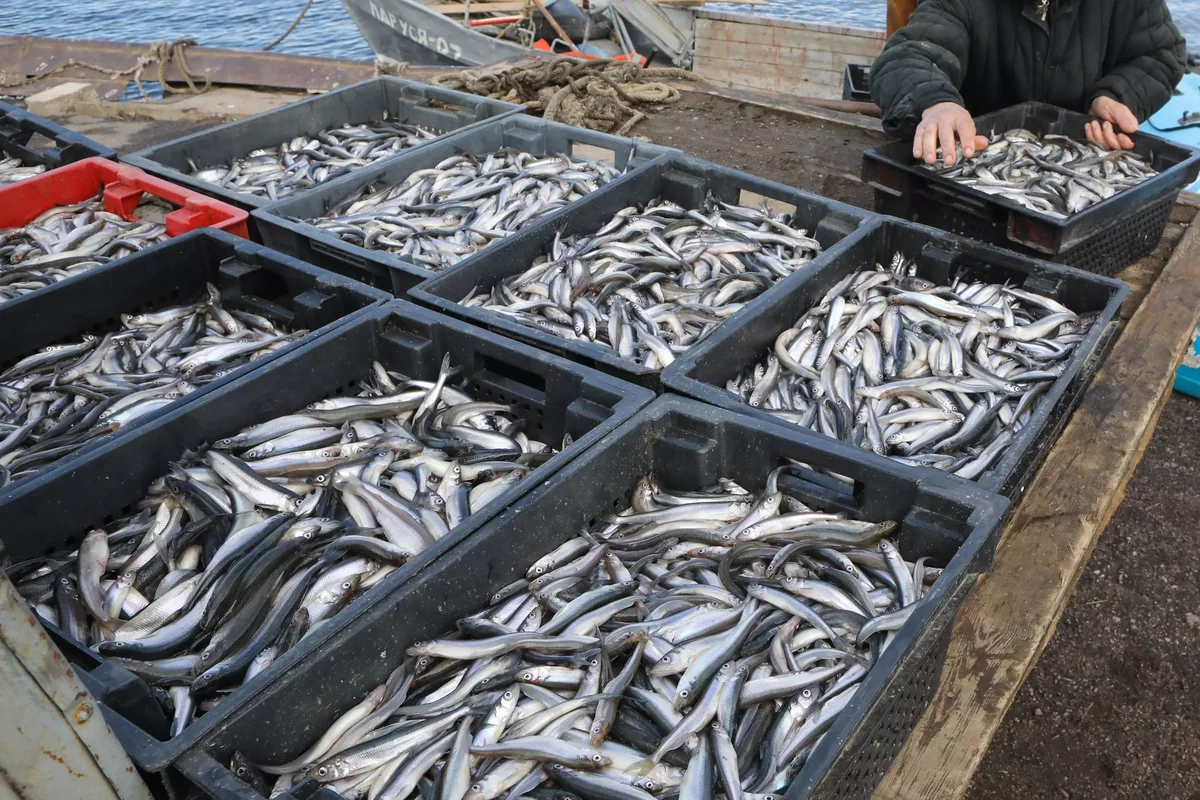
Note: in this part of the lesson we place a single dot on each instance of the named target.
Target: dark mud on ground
(819, 157)
(1112, 708)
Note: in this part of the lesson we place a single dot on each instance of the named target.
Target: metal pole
(898, 12)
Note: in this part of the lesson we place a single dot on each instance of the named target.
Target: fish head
(332, 770)
(261, 451)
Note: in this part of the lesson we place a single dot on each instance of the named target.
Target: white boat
(741, 50)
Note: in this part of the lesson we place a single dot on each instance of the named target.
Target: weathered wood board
(780, 55)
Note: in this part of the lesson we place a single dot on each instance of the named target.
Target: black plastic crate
(432, 107)
(1103, 238)
(682, 179)
(687, 445)
(249, 276)
(554, 396)
(703, 372)
(55, 146)
(856, 83)
(390, 272)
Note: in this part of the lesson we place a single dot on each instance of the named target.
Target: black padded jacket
(990, 54)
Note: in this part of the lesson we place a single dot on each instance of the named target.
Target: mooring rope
(288, 32)
(162, 53)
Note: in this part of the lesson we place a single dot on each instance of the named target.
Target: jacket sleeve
(922, 64)
(1149, 63)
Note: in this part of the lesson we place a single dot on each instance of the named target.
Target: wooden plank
(21, 56)
(793, 37)
(1012, 612)
(753, 75)
(722, 47)
(744, 18)
(789, 58)
(781, 55)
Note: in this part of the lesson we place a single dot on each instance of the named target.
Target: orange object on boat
(543, 45)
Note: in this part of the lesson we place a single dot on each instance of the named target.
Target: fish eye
(346, 585)
(597, 758)
(596, 729)
(527, 676)
(241, 772)
(684, 693)
(322, 772)
(508, 695)
(806, 693)
(477, 787)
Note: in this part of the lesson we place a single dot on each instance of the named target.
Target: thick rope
(161, 53)
(288, 32)
(602, 94)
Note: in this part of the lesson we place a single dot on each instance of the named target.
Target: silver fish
(1053, 174)
(436, 217)
(67, 241)
(307, 161)
(769, 674)
(654, 281)
(244, 556)
(66, 396)
(940, 376)
(13, 170)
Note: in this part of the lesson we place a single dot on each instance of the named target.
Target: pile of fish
(939, 376)
(696, 642)
(67, 241)
(246, 548)
(65, 396)
(1055, 175)
(438, 216)
(13, 170)
(304, 162)
(653, 282)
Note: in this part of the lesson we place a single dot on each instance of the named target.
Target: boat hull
(408, 31)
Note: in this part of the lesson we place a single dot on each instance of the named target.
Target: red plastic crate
(24, 201)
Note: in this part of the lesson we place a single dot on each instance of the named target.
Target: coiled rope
(604, 94)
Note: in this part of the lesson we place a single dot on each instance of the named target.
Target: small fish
(770, 668)
(13, 169)
(1054, 175)
(654, 281)
(248, 546)
(939, 376)
(438, 216)
(307, 161)
(67, 241)
(68, 395)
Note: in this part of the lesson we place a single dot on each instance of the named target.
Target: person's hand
(1111, 113)
(943, 124)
